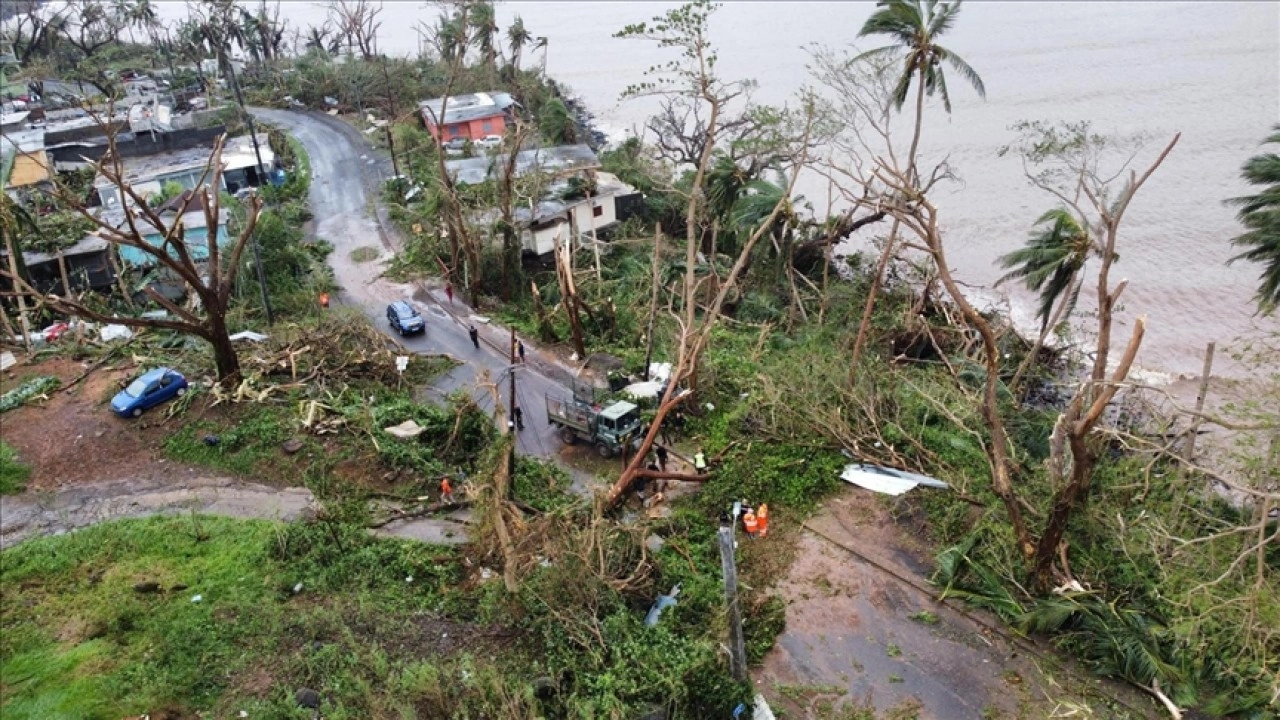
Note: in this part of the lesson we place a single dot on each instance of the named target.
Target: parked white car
(490, 142)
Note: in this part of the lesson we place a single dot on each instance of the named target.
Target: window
(488, 127)
(597, 210)
(455, 131)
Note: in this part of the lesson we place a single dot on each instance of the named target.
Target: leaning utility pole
(257, 153)
(737, 645)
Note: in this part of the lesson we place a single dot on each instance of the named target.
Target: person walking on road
(662, 458)
(520, 350)
(448, 291)
(519, 418)
(475, 335)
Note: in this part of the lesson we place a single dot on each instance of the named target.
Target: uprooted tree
(694, 79)
(210, 280)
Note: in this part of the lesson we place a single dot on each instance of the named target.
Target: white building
(148, 175)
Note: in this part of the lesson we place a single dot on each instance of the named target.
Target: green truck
(609, 427)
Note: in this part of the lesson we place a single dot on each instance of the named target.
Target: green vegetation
(28, 390)
(13, 474)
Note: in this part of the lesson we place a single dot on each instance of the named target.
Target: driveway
(346, 178)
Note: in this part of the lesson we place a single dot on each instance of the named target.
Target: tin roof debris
(887, 480)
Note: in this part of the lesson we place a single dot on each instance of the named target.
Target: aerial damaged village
(639, 361)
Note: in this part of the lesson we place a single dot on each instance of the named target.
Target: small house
(148, 175)
(470, 117)
(566, 211)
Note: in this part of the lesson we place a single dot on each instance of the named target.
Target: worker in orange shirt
(446, 490)
(762, 519)
(324, 299)
(750, 523)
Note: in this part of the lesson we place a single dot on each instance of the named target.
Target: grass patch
(13, 474)
(364, 254)
(79, 641)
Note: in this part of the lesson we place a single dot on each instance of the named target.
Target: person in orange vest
(446, 490)
(324, 299)
(750, 523)
(762, 519)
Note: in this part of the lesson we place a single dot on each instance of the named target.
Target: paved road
(347, 175)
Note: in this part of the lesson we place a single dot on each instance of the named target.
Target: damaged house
(577, 200)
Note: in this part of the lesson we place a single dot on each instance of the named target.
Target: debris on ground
(107, 333)
(249, 335)
(662, 603)
(7, 360)
(887, 480)
(405, 430)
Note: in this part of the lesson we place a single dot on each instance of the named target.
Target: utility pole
(257, 153)
(391, 117)
(737, 645)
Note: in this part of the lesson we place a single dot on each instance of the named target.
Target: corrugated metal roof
(553, 161)
(466, 107)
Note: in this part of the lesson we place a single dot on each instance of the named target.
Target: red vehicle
(55, 331)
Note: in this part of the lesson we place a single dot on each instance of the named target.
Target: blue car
(150, 389)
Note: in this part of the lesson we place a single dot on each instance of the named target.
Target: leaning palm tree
(1049, 264)
(517, 37)
(1260, 215)
(914, 27)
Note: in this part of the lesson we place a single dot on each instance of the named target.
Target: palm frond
(1260, 215)
(897, 19)
(966, 71)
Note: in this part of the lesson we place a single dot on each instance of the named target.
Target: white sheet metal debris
(643, 390)
(114, 332)
(249, 335)
(7, 360)
(659, 372)
(887, 480)
(406, 430)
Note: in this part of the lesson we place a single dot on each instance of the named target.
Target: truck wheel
(603, 451)
(568, 437)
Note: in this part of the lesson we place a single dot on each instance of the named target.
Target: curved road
(346, 174)
(346, 179)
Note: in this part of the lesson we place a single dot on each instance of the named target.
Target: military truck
(609, 428)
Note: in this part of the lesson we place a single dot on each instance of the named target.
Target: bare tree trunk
(1084, 457)
(569, 297)
(870, 304)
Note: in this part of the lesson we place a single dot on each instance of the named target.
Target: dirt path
(78, 506)
(863, 628)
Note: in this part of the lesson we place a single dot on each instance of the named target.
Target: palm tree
(517, 38)
(1260, 215)
(913, 26)
(486, 37)
(1050, 264)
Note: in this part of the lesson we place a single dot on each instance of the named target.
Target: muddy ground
(857, 635)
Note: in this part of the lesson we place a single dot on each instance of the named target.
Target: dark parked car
(404, 318)
(150, 389)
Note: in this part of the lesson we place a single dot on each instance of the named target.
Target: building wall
(601, 211)
(542, 241)
(473, 129)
